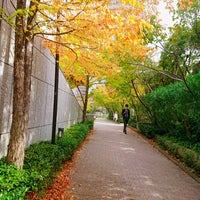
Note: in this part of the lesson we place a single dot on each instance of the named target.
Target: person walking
(115, 118)
(126, 117)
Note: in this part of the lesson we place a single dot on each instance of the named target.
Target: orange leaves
(184, 4)
(58, 189)
(92, 32)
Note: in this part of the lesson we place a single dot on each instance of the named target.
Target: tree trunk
(137, 95)
(21, 90)
(2, 5)
(16, 145)
(27, 81)
(86, 98)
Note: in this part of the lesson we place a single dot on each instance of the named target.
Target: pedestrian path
(116, 166)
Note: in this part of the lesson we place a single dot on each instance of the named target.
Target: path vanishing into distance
(112, 165)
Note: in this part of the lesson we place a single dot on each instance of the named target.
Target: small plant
(14, 183)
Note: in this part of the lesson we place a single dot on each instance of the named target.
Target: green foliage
(186, 151)
(10, 19)
(132, 121)
(147, 129)
(73, 137)
(182, 50)
(41, 163)
(14, 183)
(175, 110)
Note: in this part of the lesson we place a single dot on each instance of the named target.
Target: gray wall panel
(4, 139)
(45, 133)
(5, 98)
(49, 105)
(42, 92)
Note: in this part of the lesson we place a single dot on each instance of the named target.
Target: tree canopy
(113, 41)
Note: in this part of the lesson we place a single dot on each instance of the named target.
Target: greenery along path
(141, 165)
(58, 189)
(116, 166)
(113, 41)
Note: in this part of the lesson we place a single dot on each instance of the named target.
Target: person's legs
(125, 125)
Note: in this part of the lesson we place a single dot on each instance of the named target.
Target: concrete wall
(42, 92)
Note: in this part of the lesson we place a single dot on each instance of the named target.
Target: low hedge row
(189, 156)
(41, 163)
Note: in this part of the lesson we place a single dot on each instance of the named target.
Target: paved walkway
(116, 166)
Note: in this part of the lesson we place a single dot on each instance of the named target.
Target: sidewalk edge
(169, 156)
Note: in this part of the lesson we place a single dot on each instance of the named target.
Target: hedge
(176, 110)
(41, 163)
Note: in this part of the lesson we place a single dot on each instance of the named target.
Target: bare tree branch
(166, 73)
(55, 34)
(62, 44)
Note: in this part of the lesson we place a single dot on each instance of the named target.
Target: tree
(106, 97)
(109, 31)
(26, 27)
(21, 84)
(181, 51)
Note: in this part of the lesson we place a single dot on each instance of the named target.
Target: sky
(166, 22)
(165, 15)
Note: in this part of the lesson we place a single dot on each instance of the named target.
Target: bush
(181, 150)
(14, 183)
(175, 110)
(147, 129)
(41, 163)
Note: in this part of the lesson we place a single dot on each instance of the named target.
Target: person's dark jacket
(125, 113)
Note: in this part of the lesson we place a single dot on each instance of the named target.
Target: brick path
(116, 166)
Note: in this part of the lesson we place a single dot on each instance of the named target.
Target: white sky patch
(165, 17)
(165, 14)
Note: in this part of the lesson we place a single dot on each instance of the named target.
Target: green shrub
(180, 149)
(147, 129)
(176, 110)
(132, 122)
(14, 183)
(41, 163)
(89, 124)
